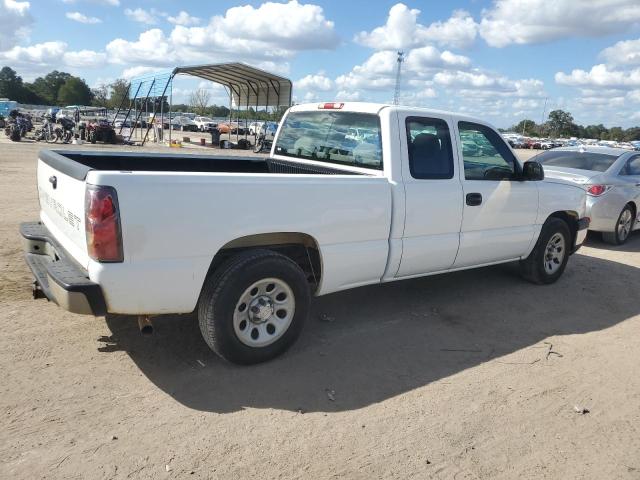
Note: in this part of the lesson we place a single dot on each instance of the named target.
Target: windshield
(346, 138)
(597, 162)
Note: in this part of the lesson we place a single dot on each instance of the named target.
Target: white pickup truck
(352, 194)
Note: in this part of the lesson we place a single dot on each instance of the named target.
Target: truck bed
(77, 164)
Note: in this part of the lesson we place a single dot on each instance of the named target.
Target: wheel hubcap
(264, 312)
(554, 253)
(624, 224)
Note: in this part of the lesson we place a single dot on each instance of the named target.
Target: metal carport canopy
(248, 86)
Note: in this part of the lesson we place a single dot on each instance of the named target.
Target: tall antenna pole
(396, 94)
(544, 110)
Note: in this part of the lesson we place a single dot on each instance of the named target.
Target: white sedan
(611, 178)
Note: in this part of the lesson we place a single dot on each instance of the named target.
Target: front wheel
(623, 228)
(546, 263)
(253, 307)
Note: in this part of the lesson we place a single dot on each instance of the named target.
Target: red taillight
(597, 190)
(330, 106)
(102, 224)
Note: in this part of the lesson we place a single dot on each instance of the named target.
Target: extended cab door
(433, 195)
(499, 209)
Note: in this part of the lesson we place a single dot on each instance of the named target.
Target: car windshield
(205, 119)
(346, 138)
(598, 162)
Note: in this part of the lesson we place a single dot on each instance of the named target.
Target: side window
(633, 166)
(485, 154)
(430, 152)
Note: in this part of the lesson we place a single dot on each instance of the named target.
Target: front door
(500, 210)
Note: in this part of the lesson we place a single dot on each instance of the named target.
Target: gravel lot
(469, 375)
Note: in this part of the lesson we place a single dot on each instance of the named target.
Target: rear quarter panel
(174, 223)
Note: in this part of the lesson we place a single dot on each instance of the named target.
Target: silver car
(611, 178)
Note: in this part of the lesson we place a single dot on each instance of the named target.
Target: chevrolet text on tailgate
(352, 194)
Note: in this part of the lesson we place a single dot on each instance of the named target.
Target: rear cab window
(429, 148)
(343, 138)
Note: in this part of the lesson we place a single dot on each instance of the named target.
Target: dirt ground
(471, 375)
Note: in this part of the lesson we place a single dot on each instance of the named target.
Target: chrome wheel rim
(264, 312)
(624, 224)
(554, 253)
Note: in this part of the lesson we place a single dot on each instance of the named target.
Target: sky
(501, 60)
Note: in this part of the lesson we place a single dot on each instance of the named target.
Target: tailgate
(62, 209)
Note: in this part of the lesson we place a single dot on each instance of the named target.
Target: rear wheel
(546, 263)
(622, 229)
(253, 307)
(15, 135)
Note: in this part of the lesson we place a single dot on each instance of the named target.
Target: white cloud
(402, 30)
(601, 101)
(458, 32)
(15, 21)
(133, 72)
(314, 82)
(151, 48)
(81, 18)
(535, 21)
(141, 15)
(626, 52)
(634, 96)
(484, 84)
(429, 57)
(600, 76)
(184, 19)
(265, 36)
(43, 57)
(84, 59)
(110, 3)
(38, 54)
(349, 96)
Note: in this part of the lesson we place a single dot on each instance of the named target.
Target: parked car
(254, 128)
(339, 214)
(122, 123)
(184, 124)
(231, 127)
(204, 124)
(611, 178)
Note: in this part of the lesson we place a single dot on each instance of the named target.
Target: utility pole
(544, 110)
(396, 94)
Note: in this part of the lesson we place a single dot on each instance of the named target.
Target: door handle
(474, 199)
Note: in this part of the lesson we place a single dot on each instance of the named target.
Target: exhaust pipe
(145, 325)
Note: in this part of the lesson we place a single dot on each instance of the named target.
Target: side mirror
(532, 170)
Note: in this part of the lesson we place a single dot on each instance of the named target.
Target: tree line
(561, 124)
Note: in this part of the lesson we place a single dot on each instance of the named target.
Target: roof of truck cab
(368, 107)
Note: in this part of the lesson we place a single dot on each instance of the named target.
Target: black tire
(15, 135)
(222, 291)
(616, 237)
(533, 267)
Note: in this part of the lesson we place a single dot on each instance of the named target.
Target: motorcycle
(64, 132)
(16, 127)
(48, 132)
(265, 138)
